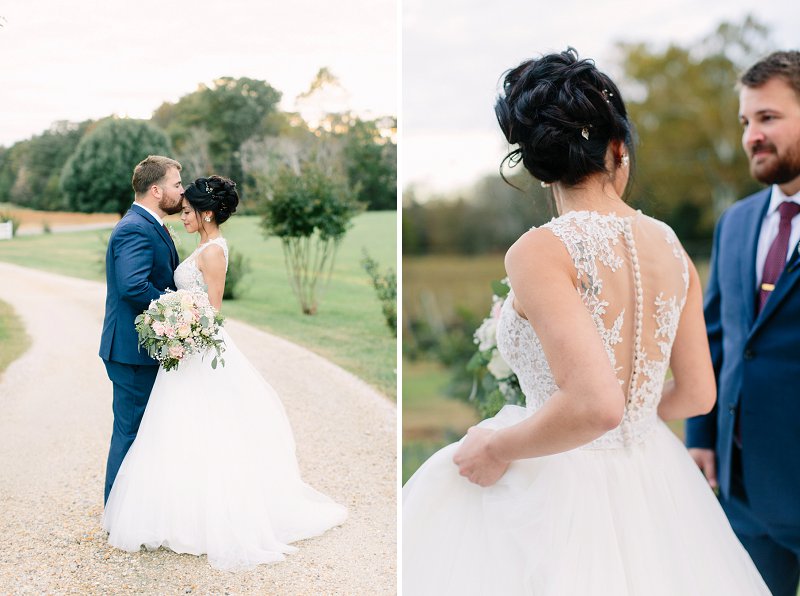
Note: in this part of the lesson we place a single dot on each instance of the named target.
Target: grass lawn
(13, 339)
(430, 419)
(349, 328)
(440, 285)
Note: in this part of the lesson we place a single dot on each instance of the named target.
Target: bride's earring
(625, 160)
(207, 219)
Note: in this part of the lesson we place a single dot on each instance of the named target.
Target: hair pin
(585, 132)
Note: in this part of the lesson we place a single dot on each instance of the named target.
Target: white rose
(486, 334)
(507, 390)
(498, 367)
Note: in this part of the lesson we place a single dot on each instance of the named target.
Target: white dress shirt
(769, 229)
(161, 223)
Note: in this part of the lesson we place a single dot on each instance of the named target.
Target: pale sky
(86, 59)
(454, 54)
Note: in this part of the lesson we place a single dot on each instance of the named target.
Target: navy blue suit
(757, 364)
(140, 262)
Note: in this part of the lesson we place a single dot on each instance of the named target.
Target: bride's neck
(208, 234)
(591, 195)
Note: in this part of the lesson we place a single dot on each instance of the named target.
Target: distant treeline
(689, 164)
(233, 128)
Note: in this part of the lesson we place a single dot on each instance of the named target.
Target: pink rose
(176, 352)
(158, 328)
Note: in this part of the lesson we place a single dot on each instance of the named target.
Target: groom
(140, 261)
(751, 441)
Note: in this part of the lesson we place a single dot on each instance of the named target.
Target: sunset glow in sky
(89, 59)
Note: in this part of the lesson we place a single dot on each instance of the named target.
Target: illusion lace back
(188, 276)
(633, 277)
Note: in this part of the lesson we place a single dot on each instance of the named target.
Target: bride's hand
(474, 460)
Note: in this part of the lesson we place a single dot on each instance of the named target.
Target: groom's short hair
(150, 171)
(783, 65)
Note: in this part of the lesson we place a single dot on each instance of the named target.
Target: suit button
(749, 354)
(732, 409)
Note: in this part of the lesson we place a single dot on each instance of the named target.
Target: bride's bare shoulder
(536, 249)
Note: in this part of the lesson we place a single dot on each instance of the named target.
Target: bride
(213, 468)
(585, 490)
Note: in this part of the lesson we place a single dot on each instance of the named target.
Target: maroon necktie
(776, 257)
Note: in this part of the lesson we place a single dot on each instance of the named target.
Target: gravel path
(55, 425)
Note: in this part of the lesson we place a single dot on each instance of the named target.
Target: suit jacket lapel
(173, 253)
(754, 217)
(787, 280)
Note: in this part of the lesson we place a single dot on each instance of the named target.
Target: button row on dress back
(637, 278)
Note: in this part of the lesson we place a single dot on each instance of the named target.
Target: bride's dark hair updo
(214, 193)
(550, 106)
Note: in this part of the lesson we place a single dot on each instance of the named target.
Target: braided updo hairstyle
(549, 106)
(214, 193)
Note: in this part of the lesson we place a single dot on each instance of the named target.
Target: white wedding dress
(629, 514)
(213, 467)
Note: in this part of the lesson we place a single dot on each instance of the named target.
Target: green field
(349, 328)
(430, 419)
(13, 339)
(439, 285)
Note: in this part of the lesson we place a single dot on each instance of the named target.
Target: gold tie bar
(767, 287)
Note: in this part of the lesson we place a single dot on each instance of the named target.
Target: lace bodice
(188, 276)
(633, 277)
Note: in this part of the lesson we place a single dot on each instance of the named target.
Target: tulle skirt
(637, 521)
(213, 470)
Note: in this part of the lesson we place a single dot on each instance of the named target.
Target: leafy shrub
(310, 209)
(6, 216)
(385, 285)
(238, 267)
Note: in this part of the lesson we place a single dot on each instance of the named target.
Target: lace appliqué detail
(586, 249)
(188, 276)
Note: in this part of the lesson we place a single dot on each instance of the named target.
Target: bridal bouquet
(494, 383)
(178, 324)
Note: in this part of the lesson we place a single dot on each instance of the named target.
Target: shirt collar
(778, 197)
(161, 223)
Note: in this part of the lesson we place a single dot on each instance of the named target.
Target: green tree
(371, 164)
(97, 177)
(684, 104)
(229, 112)
(310, 209)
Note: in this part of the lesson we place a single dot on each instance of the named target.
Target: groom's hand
(704, 458)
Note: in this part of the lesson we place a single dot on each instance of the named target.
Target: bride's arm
(211, 263)
(589, 401)
(692, 390)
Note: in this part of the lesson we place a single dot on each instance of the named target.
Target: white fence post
(6, 230)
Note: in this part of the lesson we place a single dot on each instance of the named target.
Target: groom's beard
(169, 207)
(784, 168)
